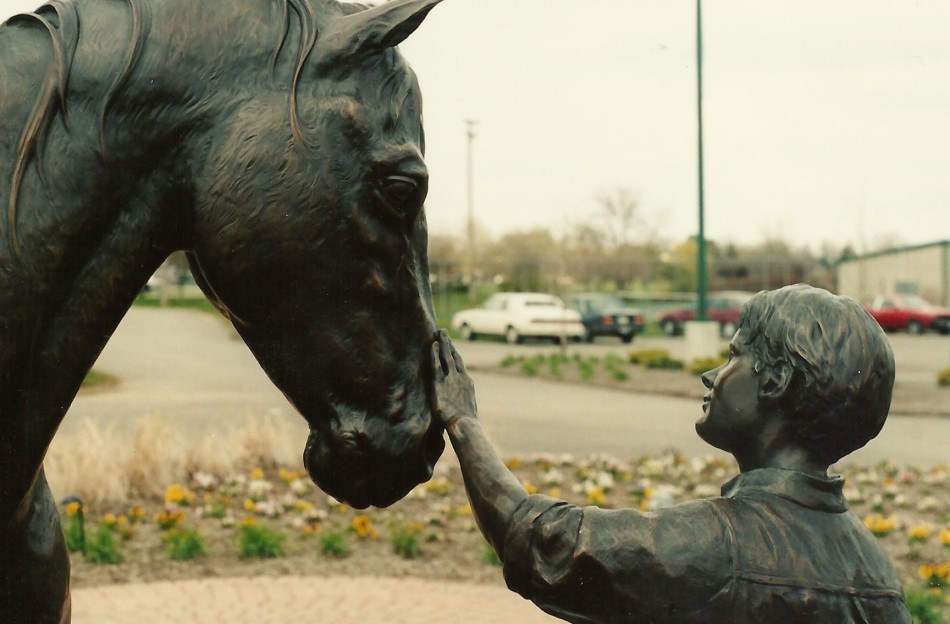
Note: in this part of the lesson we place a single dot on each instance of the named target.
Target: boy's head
(838, 364)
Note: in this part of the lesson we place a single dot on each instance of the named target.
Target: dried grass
(102, 464)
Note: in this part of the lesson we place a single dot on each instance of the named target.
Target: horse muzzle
(365, 460)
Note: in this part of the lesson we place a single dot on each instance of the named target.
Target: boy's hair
(841, 365)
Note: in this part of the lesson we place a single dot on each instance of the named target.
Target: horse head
(309, 234)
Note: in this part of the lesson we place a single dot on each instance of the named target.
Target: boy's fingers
(459, 364)
(438, 366)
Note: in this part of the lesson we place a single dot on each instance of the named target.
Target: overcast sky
(824, 119)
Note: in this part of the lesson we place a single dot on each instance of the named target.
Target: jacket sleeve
(585, 564)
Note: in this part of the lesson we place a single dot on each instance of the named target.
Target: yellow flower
(288, 475)
(530, 488)
(257, 474)
(363, 526)
(945, 537)
(249, 505)
(303, 506)
(438, 486)
(464, 510)
(554, 492)
(136, 513)
(645, 501)
(935, 574)
(513, 463)
(169, 519)
(73, 508)
(109, 519)
(920, 532)
(249, 521)
(597, 497)
(177, 494)
(879, 525)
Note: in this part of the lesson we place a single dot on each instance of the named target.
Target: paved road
(192, 368)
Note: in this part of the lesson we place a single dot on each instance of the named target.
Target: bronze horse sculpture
(278, 142)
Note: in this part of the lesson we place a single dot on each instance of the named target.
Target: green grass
(260, 542)
(334, 544)
(96, 379)
(101, 547)
(185, 544)
(188, 303)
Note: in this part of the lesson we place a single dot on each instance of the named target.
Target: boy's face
(731, 418)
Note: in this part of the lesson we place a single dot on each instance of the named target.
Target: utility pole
(470, 130)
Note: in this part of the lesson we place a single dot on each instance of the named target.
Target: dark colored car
(909, 313)
(721, 307)
(604, 315)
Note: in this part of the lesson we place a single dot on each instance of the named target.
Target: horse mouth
(362, 471)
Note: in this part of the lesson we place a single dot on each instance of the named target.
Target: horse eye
(399, 190)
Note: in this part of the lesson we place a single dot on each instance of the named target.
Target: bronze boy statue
(809, 380)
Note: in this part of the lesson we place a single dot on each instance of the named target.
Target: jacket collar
(822, 494)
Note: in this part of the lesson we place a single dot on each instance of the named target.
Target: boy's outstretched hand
(453, 396)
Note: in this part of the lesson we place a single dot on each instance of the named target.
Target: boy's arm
(493, 491)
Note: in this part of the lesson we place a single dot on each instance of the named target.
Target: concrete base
(702, 340)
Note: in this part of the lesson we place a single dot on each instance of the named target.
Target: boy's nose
(709, 378)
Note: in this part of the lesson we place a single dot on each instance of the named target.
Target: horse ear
(372, 30)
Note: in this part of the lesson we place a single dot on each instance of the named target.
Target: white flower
(552, 476)
(929, 503)
(203, 480)
(259, 487)
(706, 490)
(299, 487)
(853, 495)
(604, 480)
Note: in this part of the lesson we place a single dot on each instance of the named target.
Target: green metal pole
(701, 309)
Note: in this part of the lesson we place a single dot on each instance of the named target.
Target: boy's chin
(709, 435)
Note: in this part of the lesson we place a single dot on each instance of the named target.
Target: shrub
(700, 366)
(259, 542)
(943, 378)
(654, 358)
(585, 368)
(334, 544)
(529, 368)
(101, 548)
(406, 541)
(75, 531)
(183, 544)
(619, 374)
(924, 606)
(508, 361)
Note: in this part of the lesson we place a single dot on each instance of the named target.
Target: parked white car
(519, 315)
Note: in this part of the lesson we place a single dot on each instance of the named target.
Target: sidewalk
(291, 599)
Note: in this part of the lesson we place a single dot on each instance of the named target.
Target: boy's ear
(776, 382)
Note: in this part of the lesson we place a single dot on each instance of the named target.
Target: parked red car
(722, 307)
(910, 313)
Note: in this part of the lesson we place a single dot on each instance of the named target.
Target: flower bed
(276, 522)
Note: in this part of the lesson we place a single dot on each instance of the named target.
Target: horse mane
(61, 21)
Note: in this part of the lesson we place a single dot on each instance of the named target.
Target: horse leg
(34, 562)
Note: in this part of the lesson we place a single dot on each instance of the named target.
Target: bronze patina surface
(809, 380)
(278, 142)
